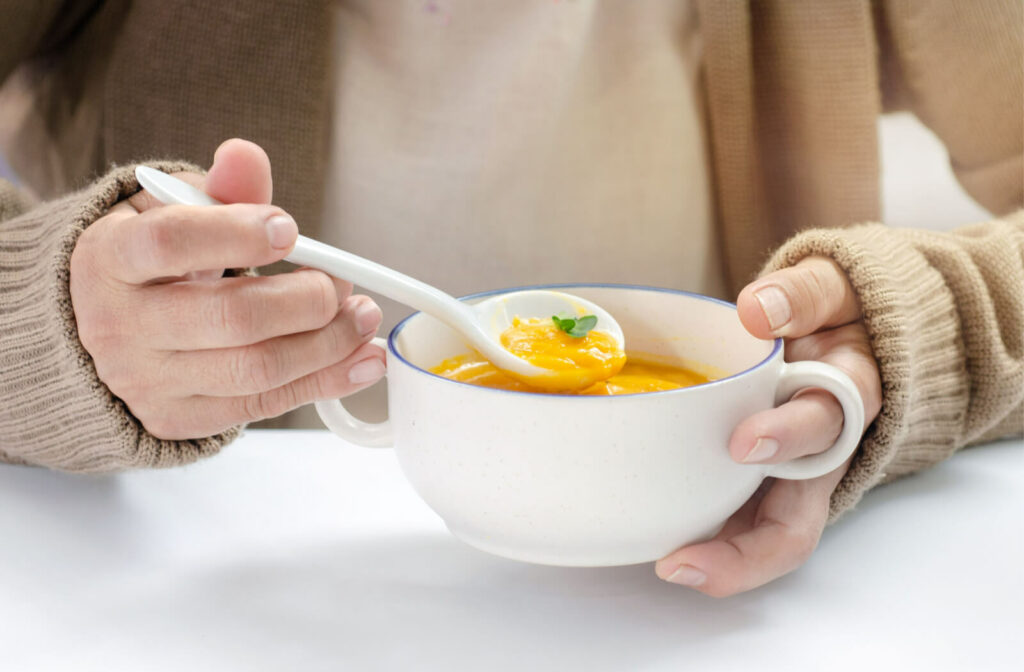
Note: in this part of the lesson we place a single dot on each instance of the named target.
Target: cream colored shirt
(481, 144)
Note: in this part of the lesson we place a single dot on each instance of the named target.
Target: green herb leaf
(583, 325)
(577, 328)
(563, 323)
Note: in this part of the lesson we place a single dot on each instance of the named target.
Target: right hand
(193, 353)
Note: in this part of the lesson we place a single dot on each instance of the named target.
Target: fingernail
(764, 449)
(366, 371)
(368, 317)
(687, 575)
(281, 232)
(775, 305)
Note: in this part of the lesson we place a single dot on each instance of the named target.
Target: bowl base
(554, 557)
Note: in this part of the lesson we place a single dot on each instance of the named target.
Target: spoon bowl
(481, 324)
(498, 313)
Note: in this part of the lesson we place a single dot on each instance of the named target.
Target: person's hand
(812, 306)
(193, 353)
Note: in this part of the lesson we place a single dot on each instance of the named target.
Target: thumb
(240, 173)
(800, 300)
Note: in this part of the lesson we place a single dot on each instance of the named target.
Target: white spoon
(480, 324)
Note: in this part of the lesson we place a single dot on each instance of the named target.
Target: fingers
(278, 361)
(799, 300)
(811, 421)
(257, 346)
(240, 173)
(233, 312)
(172, 244)
(807, 425)
(802, 303)
(764, 540)
(143, 200)
(363, 368)
(173, 240)
(204, 416)
(848, 349)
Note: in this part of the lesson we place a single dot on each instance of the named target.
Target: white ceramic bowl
(593, 481)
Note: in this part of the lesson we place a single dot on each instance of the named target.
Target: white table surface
(294, 551)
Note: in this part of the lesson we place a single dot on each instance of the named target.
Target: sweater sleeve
(957, 67)
(54, 409)
(945, 314)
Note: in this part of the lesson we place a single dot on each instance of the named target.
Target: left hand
(813, 307)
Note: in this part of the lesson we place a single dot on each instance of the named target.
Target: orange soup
(593, 358)
(639, 374)
(575, 362)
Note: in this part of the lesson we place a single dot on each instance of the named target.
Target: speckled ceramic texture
(592, 481)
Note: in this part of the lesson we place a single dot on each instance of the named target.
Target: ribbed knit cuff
(913, 325)
(54, 410)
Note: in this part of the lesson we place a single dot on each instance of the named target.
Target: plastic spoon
(480, 324)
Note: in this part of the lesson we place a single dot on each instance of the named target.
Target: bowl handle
(352, 429)
(799, 375)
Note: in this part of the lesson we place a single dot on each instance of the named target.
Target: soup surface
(576, 362)
(639, 374)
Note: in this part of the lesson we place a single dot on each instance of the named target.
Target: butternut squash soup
(548, 345)
(576, 355)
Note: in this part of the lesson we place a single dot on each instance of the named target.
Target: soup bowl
(594, 480)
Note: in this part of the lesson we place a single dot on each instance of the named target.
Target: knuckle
(351, 330)
(320, 387)
(96, 335)
(121, 383)
(95, 312)
(159, 426)
(165, 246)
(288, 397)
(163, 426)
(153, 415)
(87, 246)
(99, 247)
(256, 406)
(342, 288)
(257, 368)
(321, 296)
(120, 378)
(109, 375)
(813, 292)
(270, 403)
(334, 333)
(235, 315)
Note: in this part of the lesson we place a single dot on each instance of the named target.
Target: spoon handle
(308, 252)
(381, 279)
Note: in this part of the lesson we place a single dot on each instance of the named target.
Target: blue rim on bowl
(583, 285)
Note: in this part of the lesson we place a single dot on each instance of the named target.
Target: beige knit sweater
(793, 96)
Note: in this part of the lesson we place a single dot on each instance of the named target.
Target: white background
(294, 551)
